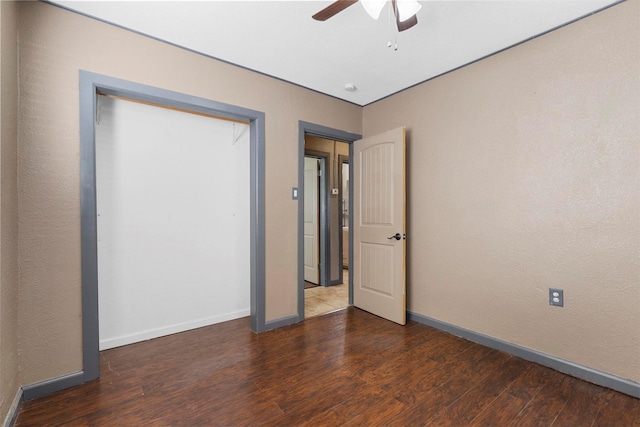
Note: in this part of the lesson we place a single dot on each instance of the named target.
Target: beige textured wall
(54, 45)
(9, 372)
(524, 174)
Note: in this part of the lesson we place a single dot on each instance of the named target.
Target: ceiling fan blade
(332, 9)
(407, 23)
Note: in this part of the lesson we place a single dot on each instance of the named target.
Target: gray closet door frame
(91, 85)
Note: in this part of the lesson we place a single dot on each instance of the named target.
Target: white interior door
(379, 225)
(311, 225)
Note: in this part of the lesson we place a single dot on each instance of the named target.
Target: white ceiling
(280, 39)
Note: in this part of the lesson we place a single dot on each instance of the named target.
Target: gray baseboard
(570, 368)
(52, 385)
(279, 323)
(12, 415)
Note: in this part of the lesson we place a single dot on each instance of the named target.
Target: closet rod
(182, 110)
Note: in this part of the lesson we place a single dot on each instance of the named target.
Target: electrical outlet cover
(556, 297)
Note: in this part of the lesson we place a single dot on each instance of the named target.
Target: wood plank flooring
(347, 368)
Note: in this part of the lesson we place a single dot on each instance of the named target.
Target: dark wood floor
(345, 368)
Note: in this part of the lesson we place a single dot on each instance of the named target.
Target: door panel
(379, 208)
(311, 223)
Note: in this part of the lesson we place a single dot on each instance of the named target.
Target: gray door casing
(91, 84)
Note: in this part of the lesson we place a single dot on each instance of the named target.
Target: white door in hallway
(311, 223)
(379, 225)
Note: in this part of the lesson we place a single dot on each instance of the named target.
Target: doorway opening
(334, 290)
(162, 267)
(91, 86)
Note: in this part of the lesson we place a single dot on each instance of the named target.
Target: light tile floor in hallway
(323, 300)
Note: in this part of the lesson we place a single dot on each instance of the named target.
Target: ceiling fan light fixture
(373, 7)
(407, 8)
